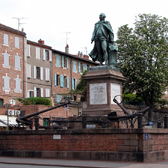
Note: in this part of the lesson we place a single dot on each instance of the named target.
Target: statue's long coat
(109, 37)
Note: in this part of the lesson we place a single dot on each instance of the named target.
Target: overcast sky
(49, 20)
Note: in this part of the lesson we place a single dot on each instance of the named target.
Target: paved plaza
(81, 163)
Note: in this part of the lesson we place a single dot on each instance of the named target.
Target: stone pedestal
(102, 86)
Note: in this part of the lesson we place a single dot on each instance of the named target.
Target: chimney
(67, 49)
(41, 41)
(86, 56)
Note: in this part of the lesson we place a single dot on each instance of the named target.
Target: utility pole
(67, 36)
(19, 23)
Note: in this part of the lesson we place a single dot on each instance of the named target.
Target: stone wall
(141, 145)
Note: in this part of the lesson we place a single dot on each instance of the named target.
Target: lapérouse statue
(105, 50)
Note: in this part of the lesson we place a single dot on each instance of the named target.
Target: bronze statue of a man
(103, 37)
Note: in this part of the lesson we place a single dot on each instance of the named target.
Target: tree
(143, 57)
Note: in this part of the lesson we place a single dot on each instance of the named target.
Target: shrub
(35, 100)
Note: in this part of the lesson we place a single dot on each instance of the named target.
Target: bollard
(140, 120)
(36, 123)
(166, 122)
(84, 121)
(159, 124)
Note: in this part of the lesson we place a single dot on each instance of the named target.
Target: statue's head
(102, 16)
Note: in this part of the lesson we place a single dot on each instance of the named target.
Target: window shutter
(59, 97)
(72, 84)
(47, 74)
(37, 53)
(17, 42)
(62, 61)
(74, 66)
(68, 82)
(5, 39)
(55, 79)
(84, 67)
(28, 95)
(28, 50)
(28, 71)
(67, 64)
(35, 92)
(43, 54)
(34, 72)
(58, 60)
(61, 81)
(50, 56)
(79, 67)
(47, 92)
(6, 83)
(6, 59)
(41, 73)
(42, 95)
(75, 83)
(17, 62)
(17, 82)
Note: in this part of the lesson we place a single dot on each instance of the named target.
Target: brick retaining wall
(141, 145)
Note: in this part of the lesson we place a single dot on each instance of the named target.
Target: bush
(35, 100)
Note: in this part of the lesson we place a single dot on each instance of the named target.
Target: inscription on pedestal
(98, 93)
(115, 90)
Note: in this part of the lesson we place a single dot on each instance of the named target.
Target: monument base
(102, 86)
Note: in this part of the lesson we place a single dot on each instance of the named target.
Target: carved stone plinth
(103, 85)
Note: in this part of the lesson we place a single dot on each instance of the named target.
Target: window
(37, 53)
(6, 60)
(65, 81)
(57, 60)
(47, 74)
(38, 94)
(46, 55)
(17, 62)
(6, 82)
(28, 50)
(46, 121)
(74, 83)
(79, 67)
(59, 98)
(30, 93)
(28, 71)
(37, 72)
(56, 80)
(17, 42)
(5, 39)
(12, 101)
(47, 92)
(74, 66)
(84, 67)
(17, 84)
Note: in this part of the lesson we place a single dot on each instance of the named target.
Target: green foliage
(35, 100)
(130, 97)
(82, 85)
(143, 57)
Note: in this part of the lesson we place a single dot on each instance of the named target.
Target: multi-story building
(66, 71)
(33, 69)
(39, 69)
(12, 64)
